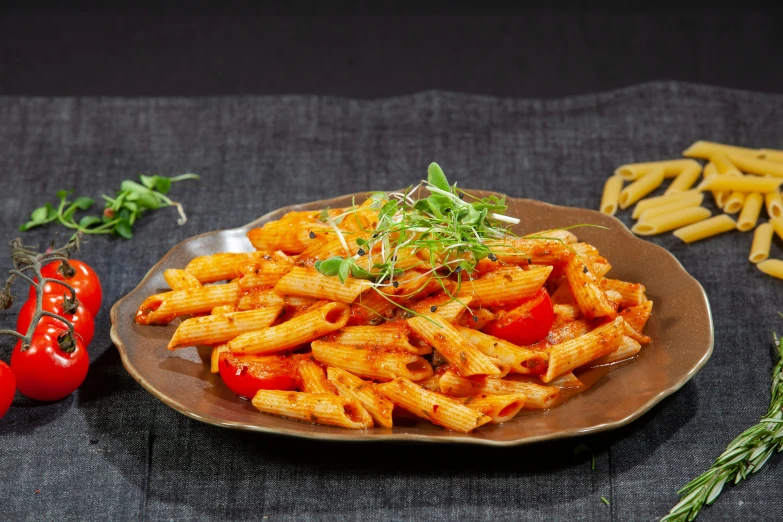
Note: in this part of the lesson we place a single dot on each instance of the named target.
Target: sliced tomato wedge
(246, 374)
(525, 323)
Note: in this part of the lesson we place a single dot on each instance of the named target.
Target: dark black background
(376, 49)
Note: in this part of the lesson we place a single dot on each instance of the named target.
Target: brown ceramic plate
(681, 329)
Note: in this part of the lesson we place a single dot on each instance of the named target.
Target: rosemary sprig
(744, 456)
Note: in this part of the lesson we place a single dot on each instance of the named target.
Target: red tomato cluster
(56, 362)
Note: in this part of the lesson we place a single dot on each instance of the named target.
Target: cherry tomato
(526, 323)
(83, 324)
(7, 388)
(245, 375)
(54, 365)
(85, 282)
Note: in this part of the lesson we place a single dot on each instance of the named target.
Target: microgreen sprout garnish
(119, 213)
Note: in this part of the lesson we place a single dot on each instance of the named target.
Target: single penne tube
(659, 201)
(601, 266)
(771, 267)
(217, 329)
(520, 359)
(685, 179)
(693, 199)
(541, 250)
(637, 316)
(259, 298)
(707, 228)
(734, 202)
(771, 154)
(444, 337)
(611, 195)
(506, 284)
(372, 363)
(632, 294)
(641, 187)
(283, 234)
(585, 249)
(587, 291)
(500, 408)
(634, 171)
(435, 407)
(333, 410)
(627, 349)
(567, 381)
(309, 282)
(224, 309)
(431, 383)
(750, 212)
(389, 335)
(452, 309)
(572, 354)
(740, 183)
(724, 166)
(539, 396)
(567, 311)
(720, 197)
(633, 333)
(758, 166)
(180, 280)
(162, 308)
(615, 297)
(762, 241)
(561, 234)
(219, 267)
(313, 376)
(675, 220)
(565, 330)
(707, 149)
(348, 385)
(774, 204)
(292, 333)
(777, 224)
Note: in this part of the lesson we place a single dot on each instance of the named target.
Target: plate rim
(358, 436)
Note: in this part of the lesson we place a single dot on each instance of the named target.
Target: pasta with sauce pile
(358, 316)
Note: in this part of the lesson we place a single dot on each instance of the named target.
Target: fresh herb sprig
(449, 226)
(744, 456)
(119, 213)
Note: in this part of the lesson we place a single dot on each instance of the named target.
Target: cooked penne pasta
(214, 362)
(567, 381)
(539, 396)
(444, 337)
(627, 349)
(685, 179)
(531, 250)
(389, 335)
(566, 356)
(637, 316)
(322, 409)
(762, 241)
(435, 407)
(772, 267)
(162, 308)
(611, 195)
(294, 332)
(641, 187)
(632, 294)
(693, 199)
(352, 387)
(259, 298)
(707, 149)
(707, 228)
(452, 309)
(774, 204)
(587, 290)
(634, 171)
(750, 212)
(309, 282)
(561, 234)
(500, 408)
(758, 166)
(675, 220)
(372, 363)
(180, 280)
(520, 359)
(659, 201)
(740, 184)
(217, 329)
(313, 377)
(506, 284)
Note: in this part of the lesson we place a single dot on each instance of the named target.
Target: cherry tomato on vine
(7, 388)
(247, 374)
(84, 281)
(83, 323)
(52, 367)
(527, 322)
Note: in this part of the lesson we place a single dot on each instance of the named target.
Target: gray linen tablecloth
(113, 452)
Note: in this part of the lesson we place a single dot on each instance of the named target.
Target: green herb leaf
(162, 184)
(123, 229)
(148, 181)
(83, 203)
(436, 177)
(344, 270)
(88, 221)
(62, 194)
(329, 267)
(39, 215)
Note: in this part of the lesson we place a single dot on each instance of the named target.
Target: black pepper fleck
(492, 257)
(433, 308)
(584, 270)
(312, 235)
(360, 252)
(475, 318)
(458, 270)
(396, 284)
